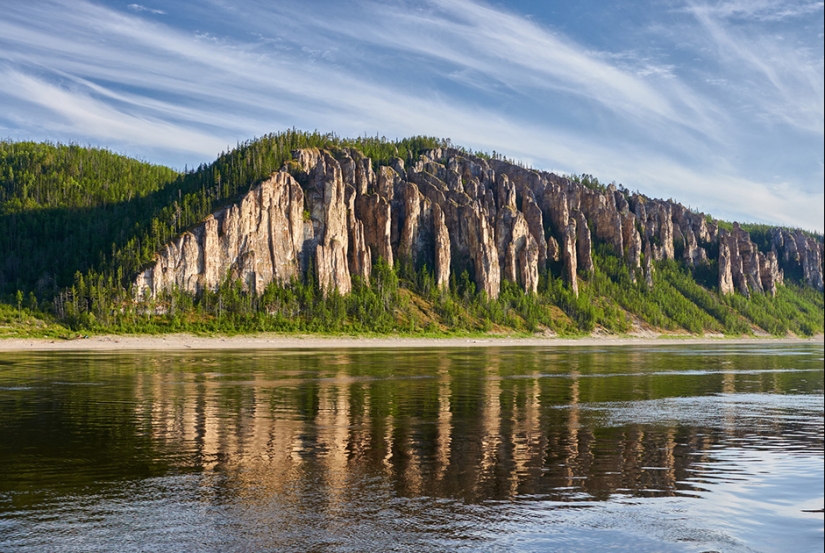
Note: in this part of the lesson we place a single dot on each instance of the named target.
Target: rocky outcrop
(584, 245)
(535, 222)
(555, 204)
(517, 249)
(659, 228)
(262, 238)
(731, 271)
(480, 240)
(441, 238)
(553, 249)
(802, 250)
(633, 243)
(687, 226)
(412, 242)
(375, 212)
(607, 223)
(648, 266)
(725, 268)
(770, 272)
(325, 198)
(569, 256)
(750, 261)
(745, 269)
(452, 212)
(359, 255)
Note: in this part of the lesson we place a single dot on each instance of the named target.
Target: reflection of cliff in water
(480, 425)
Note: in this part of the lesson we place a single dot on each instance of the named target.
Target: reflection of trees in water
(474, 431)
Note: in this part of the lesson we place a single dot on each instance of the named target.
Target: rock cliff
(452, 211)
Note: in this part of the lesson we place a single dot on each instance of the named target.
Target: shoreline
(171, 342)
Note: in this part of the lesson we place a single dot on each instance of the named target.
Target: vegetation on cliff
(77, 225)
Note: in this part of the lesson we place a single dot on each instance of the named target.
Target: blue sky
(718, 105)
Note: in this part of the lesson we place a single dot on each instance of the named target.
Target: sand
(279, 341)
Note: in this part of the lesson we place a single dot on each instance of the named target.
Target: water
(644, 449)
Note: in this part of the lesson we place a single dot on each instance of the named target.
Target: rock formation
(584, 245)
(441, 237)
(262, 238)
(569, 256)
(553, 249)
(770, 272)
(454, 212)
(725, 266)
(325, 198)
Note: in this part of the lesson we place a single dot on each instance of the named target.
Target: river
(691, 448)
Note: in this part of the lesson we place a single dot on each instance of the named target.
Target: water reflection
(470, 424)
(331, 436)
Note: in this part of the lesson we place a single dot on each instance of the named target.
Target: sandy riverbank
(277, 341)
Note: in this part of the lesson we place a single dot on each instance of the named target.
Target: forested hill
(302, 231)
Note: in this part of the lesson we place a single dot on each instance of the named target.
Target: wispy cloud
(783, 78)
(140, 8)
(74, 108)
(486, 77)
(761, 10)
(528, 59)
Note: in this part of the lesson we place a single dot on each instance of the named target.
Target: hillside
(308, 232)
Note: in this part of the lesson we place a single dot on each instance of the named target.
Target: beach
(281, 341)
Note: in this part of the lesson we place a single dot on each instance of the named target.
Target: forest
(78, 223)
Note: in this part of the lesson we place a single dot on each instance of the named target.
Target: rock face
(553, 249)
(734, 268)
(454, 212)
(584, 245)
(359, 255)
(441, 237)
(725, 267)
(808, 253)
(261, 239)
(771, 273)
(325, 198)
(569, 256)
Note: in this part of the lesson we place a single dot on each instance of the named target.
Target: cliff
(334, 213)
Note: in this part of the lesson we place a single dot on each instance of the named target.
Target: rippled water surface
(689, 448)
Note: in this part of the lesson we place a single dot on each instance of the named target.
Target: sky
(717, 105)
